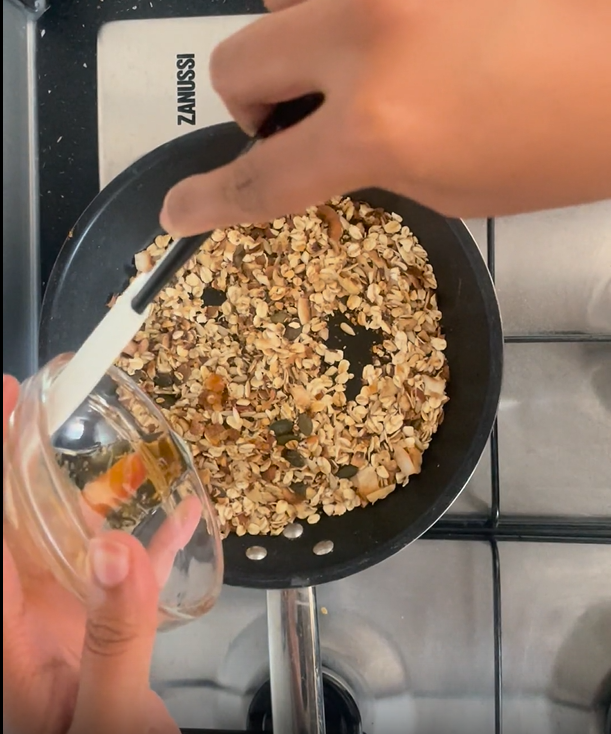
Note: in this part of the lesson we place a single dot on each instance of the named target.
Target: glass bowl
(115, 464)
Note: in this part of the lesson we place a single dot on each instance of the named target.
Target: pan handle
(295, 663)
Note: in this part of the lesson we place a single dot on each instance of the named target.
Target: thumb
(263, 184)
(12, 606)
(119, 637)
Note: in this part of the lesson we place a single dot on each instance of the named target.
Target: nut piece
(366, 482)
(130, 350)
(143, 262)
(380, 494)
(303, 310)
(410, 462)
(334, 225)
(302, 397)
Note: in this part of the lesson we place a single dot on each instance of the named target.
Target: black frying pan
(96, 261)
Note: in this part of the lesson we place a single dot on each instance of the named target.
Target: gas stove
(498, 621)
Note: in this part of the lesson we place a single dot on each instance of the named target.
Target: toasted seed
(279, 317)
(238, 256)
(347, 329)
(292, 332)
(281, 427)
(299, 488)
(294, 458)
(162, 379)
(130, 350)
(304, 422)
(347, 471)
(285, 438)
(166, 401)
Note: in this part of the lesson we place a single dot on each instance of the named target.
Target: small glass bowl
(115, 464)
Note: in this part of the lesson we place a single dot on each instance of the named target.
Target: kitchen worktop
(499, 620)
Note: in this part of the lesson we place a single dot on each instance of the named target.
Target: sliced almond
(303, 310)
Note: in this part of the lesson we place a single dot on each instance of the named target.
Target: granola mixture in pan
(236, 352)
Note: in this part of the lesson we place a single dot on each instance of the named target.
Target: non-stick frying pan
(96, 261)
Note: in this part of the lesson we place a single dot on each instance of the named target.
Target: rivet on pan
(324, 547)
(256, 553)
(292, 531)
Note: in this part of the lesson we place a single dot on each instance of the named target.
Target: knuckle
(391, 139)
(243, 191)
(107, 638)
(374, 128)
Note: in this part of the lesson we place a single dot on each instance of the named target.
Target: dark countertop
(67, 101)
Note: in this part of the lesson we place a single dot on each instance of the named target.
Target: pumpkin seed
(304, 422)
(299, 488)
(294, 458)
(292, 332)
(163, 379)
(347, 471)
(167, 401)
(281, 427)
(284, 438)
(279, 317)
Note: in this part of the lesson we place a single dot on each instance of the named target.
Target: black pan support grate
(497, 528)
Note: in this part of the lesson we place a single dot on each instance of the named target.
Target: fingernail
(109, 562)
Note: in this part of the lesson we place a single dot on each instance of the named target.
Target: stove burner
(341, 712)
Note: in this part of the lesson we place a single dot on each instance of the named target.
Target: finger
(280, 57)
(173, 535)
(12, 596)
(10, 392)
(21, 658)
(12, 607)
(284, 174)
(17, 654)
(119, 636)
